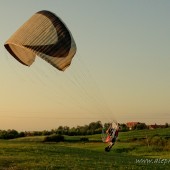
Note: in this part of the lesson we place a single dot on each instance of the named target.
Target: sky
(121, 70)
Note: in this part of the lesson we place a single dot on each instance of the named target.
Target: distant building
(130, 125)
(155, 126)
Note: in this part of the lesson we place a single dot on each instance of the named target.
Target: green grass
(139, 134)
(29, 139)
(37, 156)
(30, 153)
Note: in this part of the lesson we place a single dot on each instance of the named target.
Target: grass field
(30, 153)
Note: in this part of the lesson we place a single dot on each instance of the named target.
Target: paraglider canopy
(44, 35)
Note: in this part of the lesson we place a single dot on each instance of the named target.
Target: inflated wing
(44, 35)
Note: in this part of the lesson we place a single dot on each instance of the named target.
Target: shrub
(54, 138)
(84, 139)
(9, 134)
(124, 150)
(159, 141)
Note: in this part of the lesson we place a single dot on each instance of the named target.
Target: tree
(60, 130)
(141, 126)
(124, 127)
(9, 134)
(166, 125)
(72, 131)
(46, 132)
(93, 126)
(21, 134)
(66, 130)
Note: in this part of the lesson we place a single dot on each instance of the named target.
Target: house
(155, 126)
(130, 125)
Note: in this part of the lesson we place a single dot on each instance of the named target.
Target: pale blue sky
(121, 69)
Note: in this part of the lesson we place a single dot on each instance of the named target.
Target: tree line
(90, 129)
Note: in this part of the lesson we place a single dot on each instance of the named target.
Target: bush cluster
(84, 139)
(54, 138)
(158, 141)
(9, 134)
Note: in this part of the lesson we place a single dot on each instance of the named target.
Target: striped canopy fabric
(44, 35)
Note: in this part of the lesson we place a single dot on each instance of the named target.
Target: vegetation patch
(84, 139)
(54, 138)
